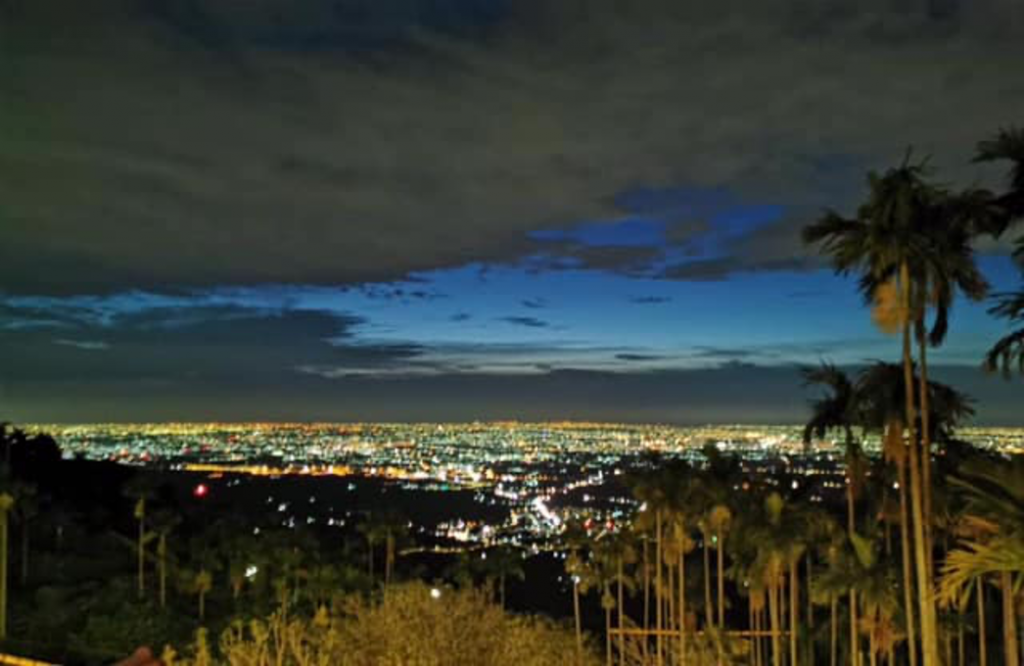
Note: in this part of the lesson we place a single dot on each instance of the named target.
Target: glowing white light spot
(435, 593)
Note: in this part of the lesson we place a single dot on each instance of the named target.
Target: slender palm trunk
(621, 604)
(202, 605)
(162, 555)
(776, 622)
(908, 576)
(608, 636)
(851, 523)
(794, 610)
(752, 625)
(1011, 648)
(982, 633)
(709, 617)
(926, 445)
(960, 640)
(647, 587)
(929, 624)
(389, 559)
(3, 574)
(647, 598)
(682, 600)
(855, 655)
(657, 589)
(576, 612)
(142, 559)
(670, 597)
(24, 553)
(721, 579)
(833, 652)
(810, 606)
(758, 639)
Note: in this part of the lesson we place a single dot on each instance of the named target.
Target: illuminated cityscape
(525, 479)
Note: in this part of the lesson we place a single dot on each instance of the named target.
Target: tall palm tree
(26, 508)
(777, 533)
(396, 528)
(6, 504)
(899, 238)
(577, 565)
(840, 410)
(503, 563)
(654, 491)
(683, 514)
(164, 522)
(619, 549)
(605, 567)
(140, 489)
(374, 533)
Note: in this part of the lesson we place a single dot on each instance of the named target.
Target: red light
(201, 490)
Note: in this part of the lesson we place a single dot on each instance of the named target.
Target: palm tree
(578, 568)
(903, 238)
(841, 410)
(164, 521)
(26, 508)
(198, 582)
(504, 563)
(683, 512)
(619, 550)
(395, 529)
(140, 490)
(654, 492)
(6, 504)
(604, 567)
(777, 534)
(374, 533)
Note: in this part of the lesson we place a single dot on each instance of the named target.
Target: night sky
(468, 209)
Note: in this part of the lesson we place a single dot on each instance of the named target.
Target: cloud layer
(334, 143)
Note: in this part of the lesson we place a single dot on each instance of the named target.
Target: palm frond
(1005, 353)
(1006, 145)
(973, 560)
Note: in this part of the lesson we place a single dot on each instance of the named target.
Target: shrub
(410, 627)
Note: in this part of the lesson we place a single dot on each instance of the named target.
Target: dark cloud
(88, 345)
(194, 344)
(534, 303)
(725, 353)
(627, 260)
(650, 300)
(715, 395)
(187, 143)
(529, 322)
(723, 267)
(639, 357)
